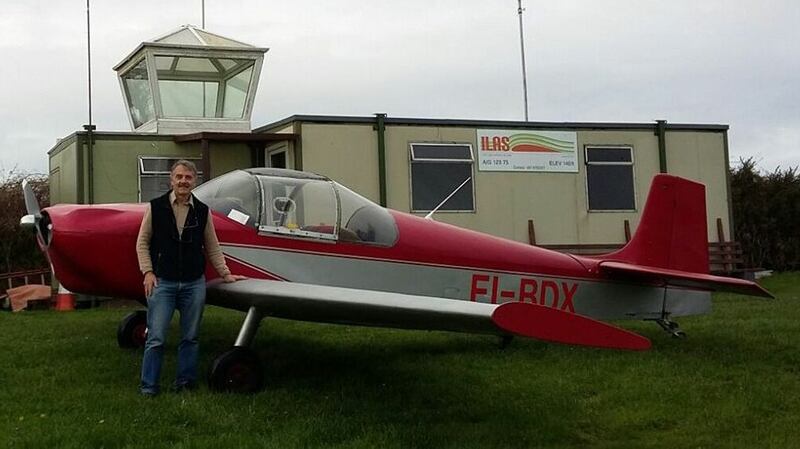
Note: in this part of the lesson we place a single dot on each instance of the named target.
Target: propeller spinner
(35, 219)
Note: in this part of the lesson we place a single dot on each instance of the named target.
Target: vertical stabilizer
(672, 232)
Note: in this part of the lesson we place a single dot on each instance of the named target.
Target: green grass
(734, 382)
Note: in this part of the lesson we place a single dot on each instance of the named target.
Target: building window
(436, 171)
(154, 176)
(140, 100)
(277, 156)
(203, 87)
(609, 178)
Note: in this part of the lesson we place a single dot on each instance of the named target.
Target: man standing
(176, 231)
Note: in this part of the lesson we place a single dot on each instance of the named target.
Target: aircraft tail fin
(670, 246)
(672, 233)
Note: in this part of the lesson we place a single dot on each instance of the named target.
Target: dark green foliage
(18, 248)
(766, 213)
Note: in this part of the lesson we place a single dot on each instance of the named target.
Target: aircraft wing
(326, 304)
(686, 279)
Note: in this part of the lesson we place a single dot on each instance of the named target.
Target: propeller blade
(31, 203)
(35, 220)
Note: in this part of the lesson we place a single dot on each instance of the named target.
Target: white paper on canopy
(241, 217)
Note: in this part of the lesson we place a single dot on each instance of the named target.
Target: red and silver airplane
(316, 251)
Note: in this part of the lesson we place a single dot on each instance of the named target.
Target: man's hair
(188, 164)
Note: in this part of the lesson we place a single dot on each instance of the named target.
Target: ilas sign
(536, 151)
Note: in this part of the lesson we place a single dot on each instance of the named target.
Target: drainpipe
(79, 152)
(731, 228)
(380, 127)
(661, 132)
(90, 162)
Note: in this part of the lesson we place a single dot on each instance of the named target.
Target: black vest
(178, 258)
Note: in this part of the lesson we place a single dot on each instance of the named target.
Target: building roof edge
(411, 121)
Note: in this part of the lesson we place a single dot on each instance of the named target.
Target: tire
(237, 370)
(132, 330)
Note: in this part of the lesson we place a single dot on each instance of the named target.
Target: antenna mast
(430, 214)
(89, 58)
(520, 9)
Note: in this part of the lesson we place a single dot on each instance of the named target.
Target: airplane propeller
(35, 219)
(31, 202)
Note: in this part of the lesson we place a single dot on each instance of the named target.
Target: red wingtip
(549, 324)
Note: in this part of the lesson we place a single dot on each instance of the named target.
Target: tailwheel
(237, 370)
(132, 330)
(671, 328)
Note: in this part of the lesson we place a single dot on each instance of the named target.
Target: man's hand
(150, 282)
(233, 278)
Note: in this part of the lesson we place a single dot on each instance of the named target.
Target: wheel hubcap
(240, 375)
(139, 334)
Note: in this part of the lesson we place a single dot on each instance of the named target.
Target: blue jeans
(189, 298)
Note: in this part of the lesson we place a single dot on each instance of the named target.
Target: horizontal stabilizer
(550, 324)
(664, 276)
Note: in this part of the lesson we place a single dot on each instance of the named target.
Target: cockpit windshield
(299, 205)
(234, 195)
(364, 221)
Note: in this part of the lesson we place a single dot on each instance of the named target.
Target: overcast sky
(713, 61)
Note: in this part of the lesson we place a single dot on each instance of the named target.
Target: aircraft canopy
(282, 202)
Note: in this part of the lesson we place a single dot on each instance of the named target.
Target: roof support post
(731, 228)
(297, 146)
(206, 161)
(380, 127)
(257, 158)
(79, 152)
(90, 162)
(661, 132)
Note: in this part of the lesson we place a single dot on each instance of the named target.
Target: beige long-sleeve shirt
(181, 210)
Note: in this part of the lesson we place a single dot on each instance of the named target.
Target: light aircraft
(314, 250)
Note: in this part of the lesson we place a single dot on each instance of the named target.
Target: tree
(18, 247)
(766, 210)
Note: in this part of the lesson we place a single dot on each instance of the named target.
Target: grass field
(734, 382)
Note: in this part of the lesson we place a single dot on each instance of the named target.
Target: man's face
(182, 180)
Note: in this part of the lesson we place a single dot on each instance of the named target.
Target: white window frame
(586, 162)
(413, 159)
(279, 150)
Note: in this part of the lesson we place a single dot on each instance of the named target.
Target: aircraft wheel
(237, 370)
(132, 330)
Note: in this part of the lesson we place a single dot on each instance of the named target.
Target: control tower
(190, 80)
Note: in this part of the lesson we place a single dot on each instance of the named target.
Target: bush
(18, 248)
(766, 211)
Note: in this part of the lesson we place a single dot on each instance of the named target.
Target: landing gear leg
(238, 369)
(671, 327)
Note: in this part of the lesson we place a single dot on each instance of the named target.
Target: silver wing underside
(326, 304)
(320, 303)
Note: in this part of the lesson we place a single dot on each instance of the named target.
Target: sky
(713, 62)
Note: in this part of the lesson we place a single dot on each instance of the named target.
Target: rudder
(672, 231)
